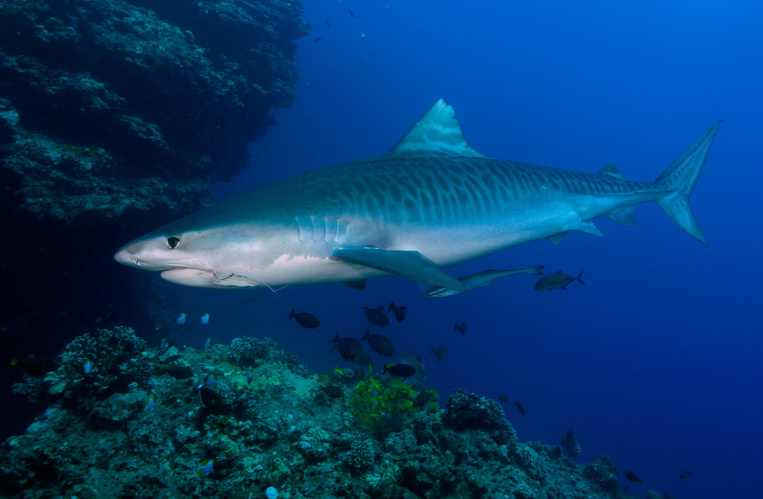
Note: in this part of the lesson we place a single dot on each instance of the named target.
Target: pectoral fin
(406, 263)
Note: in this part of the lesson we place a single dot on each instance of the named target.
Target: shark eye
(173, 242)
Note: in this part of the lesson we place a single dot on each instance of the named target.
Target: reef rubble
(248, 420)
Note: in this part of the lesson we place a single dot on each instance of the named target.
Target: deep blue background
(656, 362)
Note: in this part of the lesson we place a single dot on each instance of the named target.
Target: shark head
(215, 248)
(208, 258)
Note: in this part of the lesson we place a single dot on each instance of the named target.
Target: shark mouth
(209, 279)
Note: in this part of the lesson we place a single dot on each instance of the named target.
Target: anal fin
(557, 238)
(624, 216)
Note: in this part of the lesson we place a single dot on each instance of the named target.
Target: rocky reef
(113, 105)
(248, 420)
(116, 116)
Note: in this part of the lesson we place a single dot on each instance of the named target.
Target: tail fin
(580, 277)
(680, 178)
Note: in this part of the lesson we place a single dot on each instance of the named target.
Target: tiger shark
(430, 202)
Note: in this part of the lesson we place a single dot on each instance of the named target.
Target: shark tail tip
(679, 180)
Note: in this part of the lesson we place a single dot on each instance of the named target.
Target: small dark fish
(503, 398)
(379, 344)
(352, 14)
(376, 316)
(440, 353)
(685, 474)
(557, 281)
(36, 365)
(519, 407)
(168, 359)
(415, 361)
(178, 371)
(346, 346)
(423, 398)
(399, 312)
(402, 370)
(360, 357)
(632, 477)
(328, 24)
(304, 319)
(318, 38)
(571, 444)
(333, 391)
(461, 328)
(209, 397)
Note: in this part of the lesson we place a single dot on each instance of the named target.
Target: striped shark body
(430, 202)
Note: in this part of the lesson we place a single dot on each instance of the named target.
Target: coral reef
(127, 428)
(109, 106)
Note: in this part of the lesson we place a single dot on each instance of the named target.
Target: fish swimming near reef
(430, 202)
(557, 281)
(150, 404)
(379, 344)
(415, 361)
(632, 477)
(305, 319)
(349, 348)
(206, 467)
(570, 442)
(399, 311)
(402, 370)
(376, 316)
(440, 353)
(483, 278)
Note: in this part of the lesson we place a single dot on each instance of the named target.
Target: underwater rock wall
(110, 105)
(115, 117)
(249, 421)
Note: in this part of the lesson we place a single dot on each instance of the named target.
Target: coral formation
(377, 404)
(164, 101)
(138, 431)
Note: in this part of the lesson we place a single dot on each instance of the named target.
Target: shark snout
(126, 257)
(138, 254)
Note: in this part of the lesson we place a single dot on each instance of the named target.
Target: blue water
(656, 362)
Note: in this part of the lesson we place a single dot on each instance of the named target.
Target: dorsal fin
(611, 171)
(437, 132)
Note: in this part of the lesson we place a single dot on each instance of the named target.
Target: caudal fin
(679, 180)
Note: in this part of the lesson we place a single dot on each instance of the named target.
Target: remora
(430, 202)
